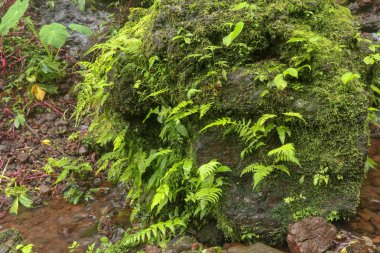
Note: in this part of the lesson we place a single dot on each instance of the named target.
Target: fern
(218, 122)
(156, 232)
(208, 169)
(260, 171)
(285, 153)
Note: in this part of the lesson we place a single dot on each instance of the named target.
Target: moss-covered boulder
(250, 58)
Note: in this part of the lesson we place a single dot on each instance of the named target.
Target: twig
(5, 169)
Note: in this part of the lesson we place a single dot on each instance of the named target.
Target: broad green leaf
(54, 35)
(25, 201)
(81, 29)
(232, 36)
(375, 89)
(152, 60)
(294, 115)
(369, 60)
(13, 15)
(14, 207)
(280, 82)
(291, 72)
(19, 120)
(62, 176)
(349, 76)
(240, 6)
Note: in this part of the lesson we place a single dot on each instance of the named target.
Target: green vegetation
(255, 61)
(254, 114)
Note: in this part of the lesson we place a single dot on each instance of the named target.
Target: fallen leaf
(38, 92)
(46, 142)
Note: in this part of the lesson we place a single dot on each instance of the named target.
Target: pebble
(82, 150)
(3, 148)
(23, 157)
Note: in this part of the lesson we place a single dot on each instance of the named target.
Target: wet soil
(54, 227)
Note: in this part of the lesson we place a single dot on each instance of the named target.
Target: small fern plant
(254, 135)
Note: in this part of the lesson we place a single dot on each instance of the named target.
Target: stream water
(54, 227)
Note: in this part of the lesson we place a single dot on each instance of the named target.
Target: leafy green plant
(238, 28)
(19, 195)
(157, 232)
(71, 171)
(25, 248)
(13, 16)
(254, 134)
(19, 120)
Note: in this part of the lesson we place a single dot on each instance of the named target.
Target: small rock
(23, 157)
(82, 150)
(152, 249)
(60, 122)
(367, 241)
(311, 235)
(181, 244)
(44, 189)
(376, 240)
(255, 248)
(3, 148)
(366, 214)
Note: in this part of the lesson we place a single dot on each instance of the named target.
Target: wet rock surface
(66, 12)
(311, 235)
(368, 13)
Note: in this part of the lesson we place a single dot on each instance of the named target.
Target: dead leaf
(46, 142)
(38, 92)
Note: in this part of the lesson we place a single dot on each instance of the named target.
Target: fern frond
(282, 131)
(203, 109)
(179, 107)
(285, 153)
(260, 173)
(219, 122)
(208, 169)
(261, 121)
(294, 115)
(156, 232)
(210, 195)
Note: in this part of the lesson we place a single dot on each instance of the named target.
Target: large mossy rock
(181, 42)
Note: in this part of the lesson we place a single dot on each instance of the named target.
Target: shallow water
(54, 227)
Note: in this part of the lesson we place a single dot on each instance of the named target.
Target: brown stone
(376, 239)
(255, 248)
(366, 214)
(363, 227)
(374, 181)
(152, 249)
(311, 235)
(375, 220)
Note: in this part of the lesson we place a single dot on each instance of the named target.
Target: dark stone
(23, 157)
(311, 235)
(181, 244)
(210, 234)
